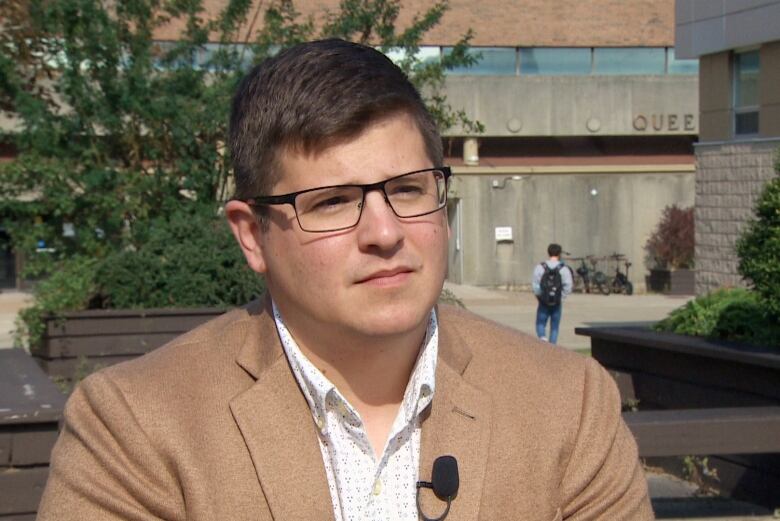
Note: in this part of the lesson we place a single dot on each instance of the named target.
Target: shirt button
(377, 487)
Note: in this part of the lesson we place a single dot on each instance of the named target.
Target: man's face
(381, 277)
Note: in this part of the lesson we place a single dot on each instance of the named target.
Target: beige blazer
(214, 427)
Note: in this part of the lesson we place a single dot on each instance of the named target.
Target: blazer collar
(458, 424)
(287, 457)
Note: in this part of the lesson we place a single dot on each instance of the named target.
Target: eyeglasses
(334, 208)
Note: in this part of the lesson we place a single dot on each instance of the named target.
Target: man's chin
(394, 319)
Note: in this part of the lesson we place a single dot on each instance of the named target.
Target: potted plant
(670, 252)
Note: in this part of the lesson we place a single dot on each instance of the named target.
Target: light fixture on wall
(471, 151)
(594, 192)
(502, 183)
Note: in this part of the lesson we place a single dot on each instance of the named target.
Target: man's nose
(379, 226)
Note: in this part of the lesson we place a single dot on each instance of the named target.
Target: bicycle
(580, 275)
(620, 283)
(599, 278)
(587, 278)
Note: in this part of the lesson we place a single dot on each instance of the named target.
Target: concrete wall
(729, 179)
(544, 208)
(577, 105)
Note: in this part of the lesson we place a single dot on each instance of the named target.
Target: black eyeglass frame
(370, 187)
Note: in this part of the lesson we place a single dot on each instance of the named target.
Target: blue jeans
(551, 313)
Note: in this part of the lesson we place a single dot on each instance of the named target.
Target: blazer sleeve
(104, 466)
(603, 478)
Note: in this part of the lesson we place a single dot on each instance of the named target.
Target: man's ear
(248, 232)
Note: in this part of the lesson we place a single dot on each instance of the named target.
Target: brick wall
(524, 23)
(729, 178)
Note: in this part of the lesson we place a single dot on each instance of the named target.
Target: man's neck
(367, 370)
(371, 373)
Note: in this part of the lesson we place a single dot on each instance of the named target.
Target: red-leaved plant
(671, 245)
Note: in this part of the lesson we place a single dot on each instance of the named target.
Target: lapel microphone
(444, 482)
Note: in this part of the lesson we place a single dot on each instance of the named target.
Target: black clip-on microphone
(444, 482)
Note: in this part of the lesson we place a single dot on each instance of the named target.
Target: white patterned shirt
(361, 487)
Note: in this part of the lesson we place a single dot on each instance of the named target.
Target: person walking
(552, 283)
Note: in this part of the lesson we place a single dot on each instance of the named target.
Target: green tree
(117, 133)
(758, 248)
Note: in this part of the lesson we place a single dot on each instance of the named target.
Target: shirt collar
(316, 387)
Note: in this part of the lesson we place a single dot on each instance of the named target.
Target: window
(679, 66)
(629, 60)
(552, 61)
(424, 54)
(746, 68)
(491, 61)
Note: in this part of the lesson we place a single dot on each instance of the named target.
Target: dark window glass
(746, 68)
(491, 61)
(554, 61)
(629, 60)
(746, 123)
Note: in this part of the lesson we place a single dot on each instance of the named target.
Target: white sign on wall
(503, 233)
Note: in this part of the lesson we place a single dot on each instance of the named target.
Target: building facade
(589, 123)
(738, 45)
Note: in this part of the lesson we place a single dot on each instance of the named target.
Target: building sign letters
(664, 122)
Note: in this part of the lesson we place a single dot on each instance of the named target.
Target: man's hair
(310, 97)
(554, 250)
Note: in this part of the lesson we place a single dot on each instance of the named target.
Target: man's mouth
(387, 277)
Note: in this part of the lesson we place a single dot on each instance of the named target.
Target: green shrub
(671, 246)
(70, 286)
(759, 249)
(735, 314)
(187, 260)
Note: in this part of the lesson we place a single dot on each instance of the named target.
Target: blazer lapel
(458, 424)
(278, 429)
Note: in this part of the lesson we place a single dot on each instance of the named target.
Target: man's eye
(408, 190)
(329, 204)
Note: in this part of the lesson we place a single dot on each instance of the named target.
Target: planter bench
(734, 430)
(699, 397)
(30, 409)
(81, 341)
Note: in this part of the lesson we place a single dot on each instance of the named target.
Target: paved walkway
(11, 301)
(518, 310)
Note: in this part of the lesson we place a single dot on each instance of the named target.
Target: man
(552, 283)
(332, 396)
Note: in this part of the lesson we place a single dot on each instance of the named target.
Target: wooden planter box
(30, 409)
(672, 282)
(668, 371)
(82, 341)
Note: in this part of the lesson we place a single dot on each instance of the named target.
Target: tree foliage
(758, 247)
(118, 134)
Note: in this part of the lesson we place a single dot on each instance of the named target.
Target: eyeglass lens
(339, 207)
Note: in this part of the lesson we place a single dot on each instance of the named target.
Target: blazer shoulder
(523, 359)
(212, 346)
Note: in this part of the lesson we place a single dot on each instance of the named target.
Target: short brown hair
(312, 96)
